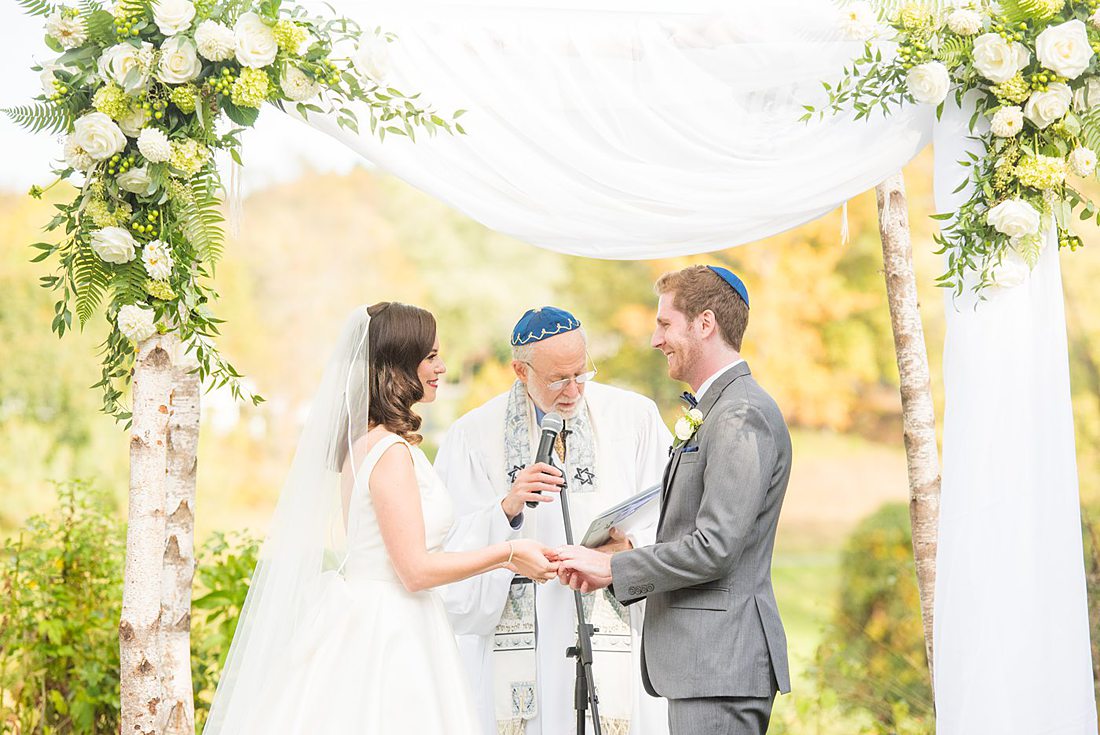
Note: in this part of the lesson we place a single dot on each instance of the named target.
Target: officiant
(513, 634)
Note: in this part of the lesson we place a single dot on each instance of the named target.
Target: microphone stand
(584, 692)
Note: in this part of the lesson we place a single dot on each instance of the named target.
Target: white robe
(631, 449)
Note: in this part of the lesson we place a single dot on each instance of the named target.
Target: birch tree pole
(918, 411)
(178, 564)
(140, 659)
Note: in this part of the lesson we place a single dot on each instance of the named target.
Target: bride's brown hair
(400, 337)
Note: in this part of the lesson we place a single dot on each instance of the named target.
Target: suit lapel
(714, 392)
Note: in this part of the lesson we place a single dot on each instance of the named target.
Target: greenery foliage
(1036, 117)
(60, 603)
(873, 654)
(145, 101)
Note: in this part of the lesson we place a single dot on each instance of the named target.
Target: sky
(278, 149)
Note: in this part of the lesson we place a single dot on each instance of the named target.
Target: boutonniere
(686, 426)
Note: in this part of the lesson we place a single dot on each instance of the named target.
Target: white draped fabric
(1012, 635)
(657, 128)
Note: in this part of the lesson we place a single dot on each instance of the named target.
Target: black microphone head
(552, 422)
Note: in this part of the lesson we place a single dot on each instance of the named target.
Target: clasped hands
(578, 567)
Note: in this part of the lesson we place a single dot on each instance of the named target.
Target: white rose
(98, 135)
(928, 82)
(256, 46)
(127, 66)
(1088, 96)
(695, 415)
(76, 156)
(154, 145)
(179, 62)
(371, 58)
(133, 121)
(858, 21)
(157, 260)
(137, 181)
(964, 22)
(173, 16)
(113, 245)
(214, 41)
(683, 429)
(136, 323)
(1014, 217)
(1044, 108)
(1011, 271)
(1007, 122)
(297, 86)
(998, 60)
(1065, 49)
(1082, 161)
(70, 32)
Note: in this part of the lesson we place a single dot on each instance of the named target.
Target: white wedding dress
(379, 660)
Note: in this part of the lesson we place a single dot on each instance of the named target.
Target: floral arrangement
(686, 426)
(145, 94)
(1032, 68)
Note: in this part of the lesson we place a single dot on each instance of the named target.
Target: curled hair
(400, 336)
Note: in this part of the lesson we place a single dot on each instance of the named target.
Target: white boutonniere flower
(686, 426)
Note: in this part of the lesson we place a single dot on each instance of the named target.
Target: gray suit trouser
(719, 715)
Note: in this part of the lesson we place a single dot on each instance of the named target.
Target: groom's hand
(539, 483)
(583, 569)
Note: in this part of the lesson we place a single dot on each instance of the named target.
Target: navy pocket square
(686, 450)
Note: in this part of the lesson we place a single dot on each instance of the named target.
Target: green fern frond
(100, 25)
(36, 7)
(128, 283)
(41, 117)
(955, 50)
(1090, 129)
(1019, 11)
(202, 216)
(91, 280)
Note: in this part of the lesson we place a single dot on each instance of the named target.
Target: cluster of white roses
(1035, 73)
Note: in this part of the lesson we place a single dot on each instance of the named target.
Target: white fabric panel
(1012, 646)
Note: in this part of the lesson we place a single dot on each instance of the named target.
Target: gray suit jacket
(712, 626)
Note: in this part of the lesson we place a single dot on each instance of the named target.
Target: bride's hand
(529, 558)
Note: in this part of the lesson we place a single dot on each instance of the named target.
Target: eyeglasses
(578, 379)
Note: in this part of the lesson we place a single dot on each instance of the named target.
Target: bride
(341, 631)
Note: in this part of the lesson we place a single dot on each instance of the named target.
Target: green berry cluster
(328, 73)
(1040, 81)
(913, 51)
(119, 164)
(126, 24)
(1009, 32)
(60, 90)
(222, 83)
(1066, 240)
(149, 226)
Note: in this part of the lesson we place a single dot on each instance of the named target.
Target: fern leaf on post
(91, 280)
(41, 117)
(202, 217)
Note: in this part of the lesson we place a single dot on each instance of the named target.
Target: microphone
(551, 426)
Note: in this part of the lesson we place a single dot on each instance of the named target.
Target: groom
(712, 642)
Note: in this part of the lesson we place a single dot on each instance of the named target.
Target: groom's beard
(685, 357)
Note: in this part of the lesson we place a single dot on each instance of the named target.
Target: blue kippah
(539, 324)
(735, 283)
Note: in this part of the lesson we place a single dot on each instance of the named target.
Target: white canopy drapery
(657, 128)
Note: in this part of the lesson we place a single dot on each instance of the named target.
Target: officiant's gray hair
(525, 353)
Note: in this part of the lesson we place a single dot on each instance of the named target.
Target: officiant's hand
(529, 481)
(532, 560)
(619, 542)
(583, 569)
